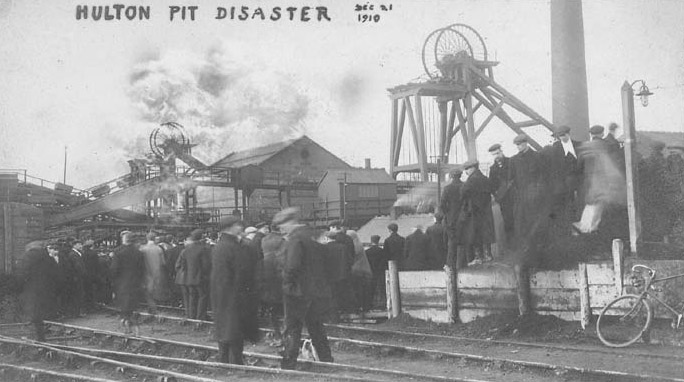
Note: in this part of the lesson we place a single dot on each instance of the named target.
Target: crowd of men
(565, 189)
(284, 270)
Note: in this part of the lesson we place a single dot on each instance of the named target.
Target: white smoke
(225, 102)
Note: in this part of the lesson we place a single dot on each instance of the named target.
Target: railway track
(498, 358)
(347, 330)
(99, 341)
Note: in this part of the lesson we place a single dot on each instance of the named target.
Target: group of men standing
(539, 193)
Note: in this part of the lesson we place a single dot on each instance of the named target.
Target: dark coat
(127, 272)
(478, 223)
(564, 173)
(307, 273)
(501, 179)
(531, 194)
(394, 246)
(416, 251)
(40, 276)
(271, 279)
(193, 266)
(450, 206)
(234, 296)
(377, 258)
(438, 245)
(256, 244)
(338, 260)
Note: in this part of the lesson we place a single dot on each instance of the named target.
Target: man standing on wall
(450, 206)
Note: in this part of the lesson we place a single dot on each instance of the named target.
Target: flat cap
(563, 129)
(494, 147)
(520, 138)
(196, 235)
(286, 215)
(393, 227)
(596, 129)
(250, 229)
(229, 221)
(470, 163)
(456, 172)
(375, 238)
(612, 126)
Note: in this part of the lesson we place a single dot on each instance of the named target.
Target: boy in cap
(306, 288)
(233, 292)
(450, 206)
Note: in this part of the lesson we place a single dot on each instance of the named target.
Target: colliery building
(175, 193)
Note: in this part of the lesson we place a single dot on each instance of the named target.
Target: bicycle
(628, 318)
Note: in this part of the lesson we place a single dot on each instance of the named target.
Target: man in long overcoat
(450, 206)
(192, 274)
(394, 245)
(234, 295)
(306, 288)
(564, 176)
(501, 179)
(156, 279)
(531, 198)
(271, 280)
(127, 271)
(478, 223)
(39, 274)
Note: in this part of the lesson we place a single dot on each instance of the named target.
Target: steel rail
(332, 366)
(466, 356)
(124, 365)
(52, 373)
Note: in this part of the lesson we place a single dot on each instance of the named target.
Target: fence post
(585, 304)
(522, 278)
(451, 293)
(395, 293)
(618, 248)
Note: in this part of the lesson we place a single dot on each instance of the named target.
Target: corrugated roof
(361, 176)
(255, 156)
(378, 226)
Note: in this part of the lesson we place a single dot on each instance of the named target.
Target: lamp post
(630, 158)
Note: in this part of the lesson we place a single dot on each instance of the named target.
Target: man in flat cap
(564, 179)
(40, 275)
(501, 179)
(234, 295)
(596, 132)
(193, 268)
(306, 288)
(450, 206)
(611, 137)
(531, 206)
(128, 271)
(478, 222)
(157, 285)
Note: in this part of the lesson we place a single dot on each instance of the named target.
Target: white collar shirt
(568, 148)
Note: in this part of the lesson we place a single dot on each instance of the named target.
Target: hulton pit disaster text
(193, 12)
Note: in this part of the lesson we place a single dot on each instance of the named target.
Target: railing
(23, 177)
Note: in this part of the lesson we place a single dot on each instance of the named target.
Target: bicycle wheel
(623, 321)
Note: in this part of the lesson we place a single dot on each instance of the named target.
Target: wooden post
(388, 294)
(585, 304)
(630, 167)
(393, 133)
(7, 221)
(394, 288)
(452, 293)
(522, 279)
(618, 248)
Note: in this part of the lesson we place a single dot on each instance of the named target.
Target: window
(368, 191)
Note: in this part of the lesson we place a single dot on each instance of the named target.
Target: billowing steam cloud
(226, 103)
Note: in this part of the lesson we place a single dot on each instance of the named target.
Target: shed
(355, 195)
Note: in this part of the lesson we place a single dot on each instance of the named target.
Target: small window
(368, 191)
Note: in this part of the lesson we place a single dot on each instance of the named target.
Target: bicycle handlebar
(651, 271)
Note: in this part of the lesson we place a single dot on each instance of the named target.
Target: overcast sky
(100, 87)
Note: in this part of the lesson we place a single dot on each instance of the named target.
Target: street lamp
(630, 157)
(643, 93)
